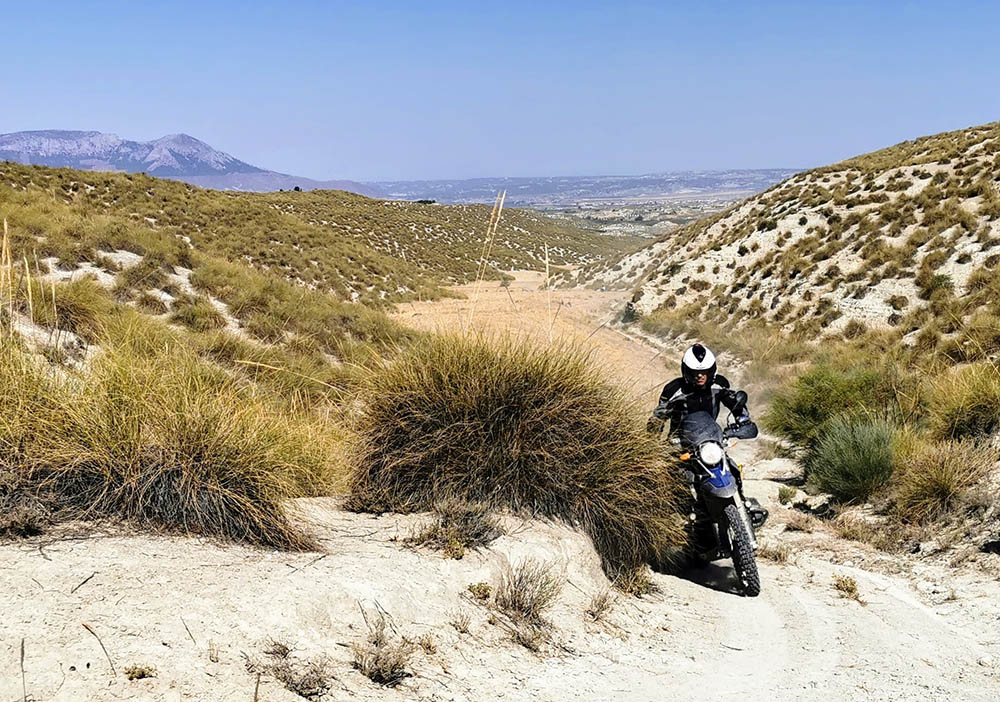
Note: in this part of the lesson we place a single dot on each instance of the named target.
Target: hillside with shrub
(906, 239)
(864, 298)
(353, 247)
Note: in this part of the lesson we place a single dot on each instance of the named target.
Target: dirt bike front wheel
(744, 559)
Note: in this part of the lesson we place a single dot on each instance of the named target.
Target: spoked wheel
(743, 556)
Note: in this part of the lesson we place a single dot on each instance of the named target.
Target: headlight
(710, 453)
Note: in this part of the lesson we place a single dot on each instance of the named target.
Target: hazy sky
(387, 90)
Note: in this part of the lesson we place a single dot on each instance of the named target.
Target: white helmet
(698, 359)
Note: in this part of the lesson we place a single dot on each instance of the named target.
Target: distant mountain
(176, 156)
(571, 190)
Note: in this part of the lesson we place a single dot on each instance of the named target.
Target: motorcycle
(723, 521)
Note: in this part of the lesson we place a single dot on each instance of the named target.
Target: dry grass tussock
(167, 441)
(511, 425)
(800, 521)
(309, 678)
(382, 658)
(775, 552)
(528, 589)
(458, 525)
(941, 477)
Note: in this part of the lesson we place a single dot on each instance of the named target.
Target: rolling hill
(355, 248)
(905, 239)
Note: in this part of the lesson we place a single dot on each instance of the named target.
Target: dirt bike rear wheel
(743, 556)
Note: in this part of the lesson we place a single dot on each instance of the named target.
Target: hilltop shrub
(965, 403)
(852, 458)
(505, 423)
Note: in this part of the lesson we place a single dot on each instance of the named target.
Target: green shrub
(965, 403)
(852, 458)
(505, 423)
(800, 411)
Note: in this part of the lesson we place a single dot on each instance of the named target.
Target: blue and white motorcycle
(722, 521)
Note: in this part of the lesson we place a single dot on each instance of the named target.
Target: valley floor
(197, 611)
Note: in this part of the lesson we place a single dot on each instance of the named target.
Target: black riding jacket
(680, 398)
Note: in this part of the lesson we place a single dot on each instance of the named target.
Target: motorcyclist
(700, 388)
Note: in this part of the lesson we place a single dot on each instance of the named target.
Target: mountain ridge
(175, 156)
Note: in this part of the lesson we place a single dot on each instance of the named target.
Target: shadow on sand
(718, 576)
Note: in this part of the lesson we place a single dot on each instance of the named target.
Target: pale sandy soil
(195, 609)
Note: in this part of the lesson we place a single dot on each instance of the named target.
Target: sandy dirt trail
(197, 610)
(799, 635)
(565, 316)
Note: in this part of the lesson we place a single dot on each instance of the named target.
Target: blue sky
(393, 90)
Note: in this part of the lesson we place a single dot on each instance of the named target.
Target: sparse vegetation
(458, 525)
(527, 590)
(380, 658)
(309, 678)
(600, 605)
(846, 587)
(777, 553)
(461, 621)
(480, 591)
(139, 672)
(800, 521)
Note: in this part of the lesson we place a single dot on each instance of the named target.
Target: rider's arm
(662, 409)
(732, 400)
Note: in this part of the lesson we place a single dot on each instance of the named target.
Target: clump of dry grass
(309, 678)
(966, 402)
(847, 587)
(882, 536)
(458, 525)
(600, 605)
(197, 313)
(21, 520)
(939, 477)
(777, 553)
(427, 644)
(165, 442)
(511, 425)
(635, 582)
(140, 672)
(480, 591)
(528, 589)
(800, 521)
(381, 659)
(461, 621)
